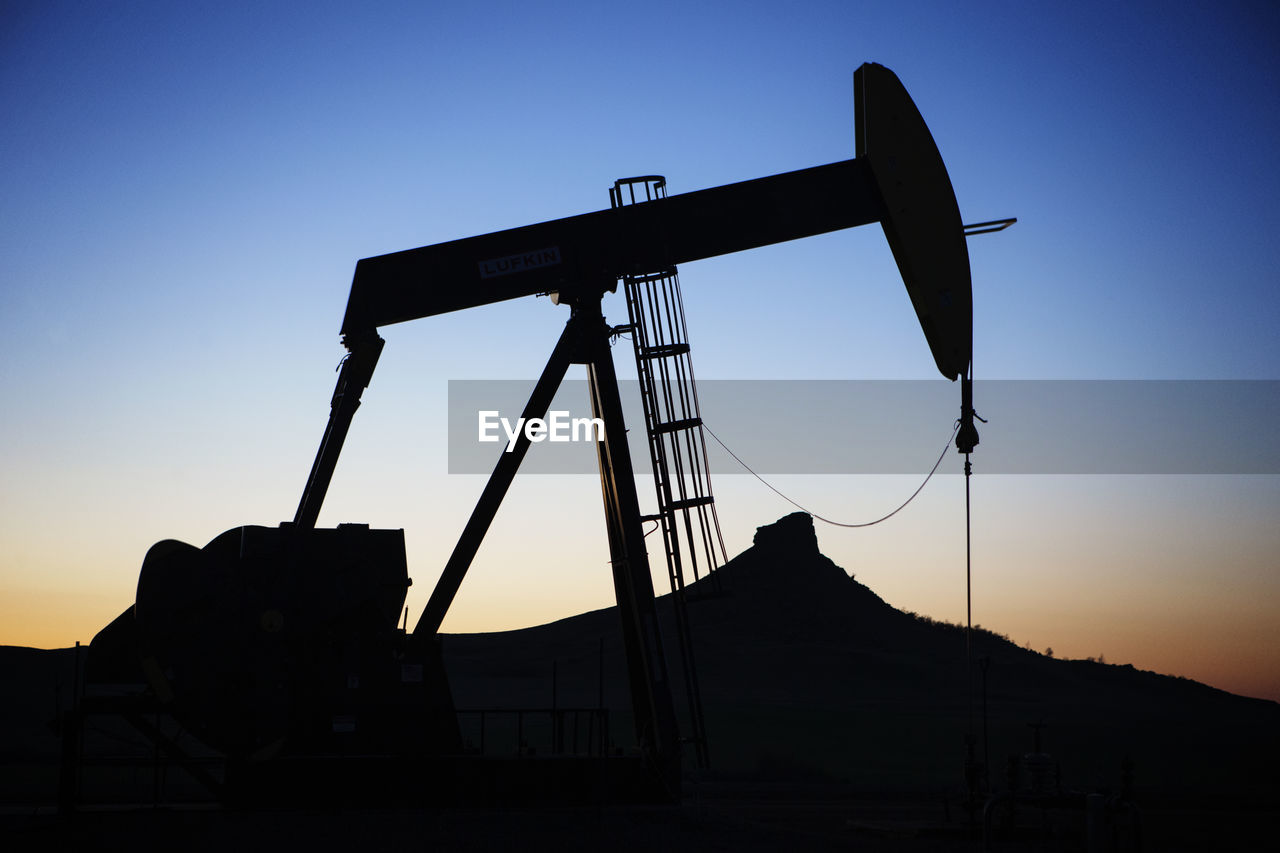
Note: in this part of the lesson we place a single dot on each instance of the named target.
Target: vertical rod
(971, 770)
(353, 378)
(968, 592)
(966, 441)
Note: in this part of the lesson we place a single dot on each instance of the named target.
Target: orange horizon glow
(1222, 635)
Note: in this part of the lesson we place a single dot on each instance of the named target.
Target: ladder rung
(664, 351)
(646, 278)
(675, 426)
(674, 506)
(692, 503)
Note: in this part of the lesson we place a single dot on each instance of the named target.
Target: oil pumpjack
(280, 647)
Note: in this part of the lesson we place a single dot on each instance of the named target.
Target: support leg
(356, 372)
(496, 489)
(633, 585)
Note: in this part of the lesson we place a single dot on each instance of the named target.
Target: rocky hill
(808, 674)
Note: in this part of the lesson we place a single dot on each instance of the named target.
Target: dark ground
(739, 819)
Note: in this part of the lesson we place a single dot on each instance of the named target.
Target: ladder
(677, 446)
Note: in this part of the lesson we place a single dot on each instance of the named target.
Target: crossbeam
(603, 246)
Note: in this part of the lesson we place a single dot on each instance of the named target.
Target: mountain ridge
(801, 665)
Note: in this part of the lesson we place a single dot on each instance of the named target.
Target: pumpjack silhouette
(279, 647)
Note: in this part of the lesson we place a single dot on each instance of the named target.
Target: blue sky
(187, 187)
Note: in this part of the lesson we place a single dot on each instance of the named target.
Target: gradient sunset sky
(186, 188)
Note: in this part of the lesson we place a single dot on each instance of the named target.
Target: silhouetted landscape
(830, 715)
